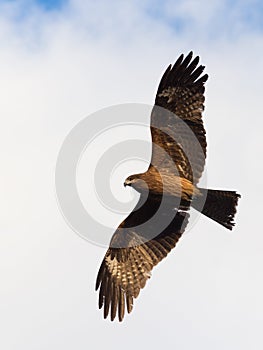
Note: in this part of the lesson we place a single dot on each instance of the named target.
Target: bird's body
(163, 184)
(167, 189)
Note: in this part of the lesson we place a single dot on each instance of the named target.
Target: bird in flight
(167, 190)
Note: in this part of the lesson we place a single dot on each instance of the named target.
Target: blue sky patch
(51, 4)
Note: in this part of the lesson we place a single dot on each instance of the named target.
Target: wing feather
(125, 270)
(176, 120)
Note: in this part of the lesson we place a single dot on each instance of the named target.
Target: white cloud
(55, 69)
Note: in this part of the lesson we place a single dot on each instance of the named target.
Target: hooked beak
(127, 183)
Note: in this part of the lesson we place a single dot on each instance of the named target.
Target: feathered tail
(217, 205)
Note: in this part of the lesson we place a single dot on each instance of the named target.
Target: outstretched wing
(132, 255)
(177, 129)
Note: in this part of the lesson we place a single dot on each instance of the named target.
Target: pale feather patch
(169, 93)
(112, 265)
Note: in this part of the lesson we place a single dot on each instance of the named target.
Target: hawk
(167, 190)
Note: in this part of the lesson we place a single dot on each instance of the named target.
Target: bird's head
(137, 182)
(130, 181)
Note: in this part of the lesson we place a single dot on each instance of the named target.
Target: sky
(63, 61)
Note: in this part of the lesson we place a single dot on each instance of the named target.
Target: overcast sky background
(61, 61)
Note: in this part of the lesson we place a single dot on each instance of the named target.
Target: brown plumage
(136, 247)
(167, 189)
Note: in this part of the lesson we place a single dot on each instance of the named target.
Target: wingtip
(181, 57)
(190, 55)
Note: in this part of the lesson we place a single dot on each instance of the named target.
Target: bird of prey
(167, 189)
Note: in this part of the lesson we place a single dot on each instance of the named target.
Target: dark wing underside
(133, 252)
(177, 129)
